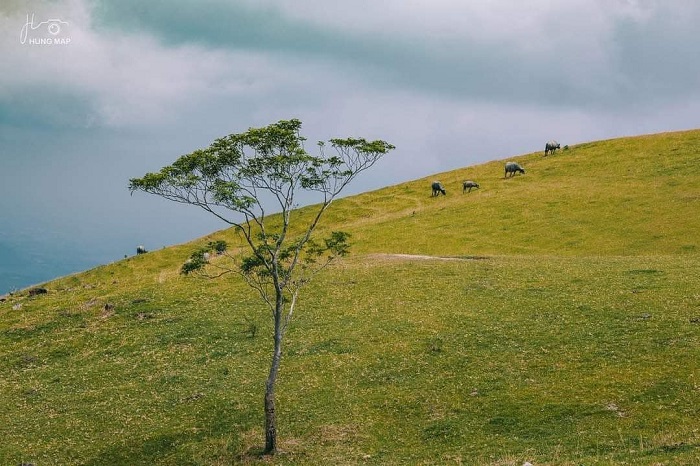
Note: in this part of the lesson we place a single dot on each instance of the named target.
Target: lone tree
(237, 179)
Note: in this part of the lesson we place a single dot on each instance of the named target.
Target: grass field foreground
(555, 320)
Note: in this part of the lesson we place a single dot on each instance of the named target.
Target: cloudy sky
(93, 93)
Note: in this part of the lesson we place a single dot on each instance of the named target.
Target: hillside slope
(623, 197)
(565, 330)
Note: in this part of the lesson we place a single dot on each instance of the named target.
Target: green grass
(568, 333)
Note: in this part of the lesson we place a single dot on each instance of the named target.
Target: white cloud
(504, 52)
(131, 79)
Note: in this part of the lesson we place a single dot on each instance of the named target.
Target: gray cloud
(658, 55)
(575, 54)
(136, 63)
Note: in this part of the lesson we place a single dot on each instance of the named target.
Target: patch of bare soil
(423, 257)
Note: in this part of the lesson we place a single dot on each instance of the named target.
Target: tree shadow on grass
(149, 451)
(216, 440)
(184, 449)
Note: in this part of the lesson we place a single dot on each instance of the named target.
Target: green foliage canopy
(240, 177)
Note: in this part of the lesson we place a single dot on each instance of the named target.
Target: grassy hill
(556, 321)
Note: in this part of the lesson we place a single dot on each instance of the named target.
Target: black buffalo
(438, 188)
(550, 147)
(468, 185)
(512, 168)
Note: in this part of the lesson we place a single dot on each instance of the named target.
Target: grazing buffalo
(438, 188)
(512, 168)
(468, 185)
(37, 291)
(551, 146)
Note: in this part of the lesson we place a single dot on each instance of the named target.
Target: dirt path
(423, 257)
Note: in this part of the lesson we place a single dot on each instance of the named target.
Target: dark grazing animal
(468, 185)
(37, 291)
(512, 167)
(551, 146)
(438, 188)
(141, 250)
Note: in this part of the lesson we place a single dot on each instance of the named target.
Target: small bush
(218, 247)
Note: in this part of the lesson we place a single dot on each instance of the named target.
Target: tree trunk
(270, 420)
(270, 414)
